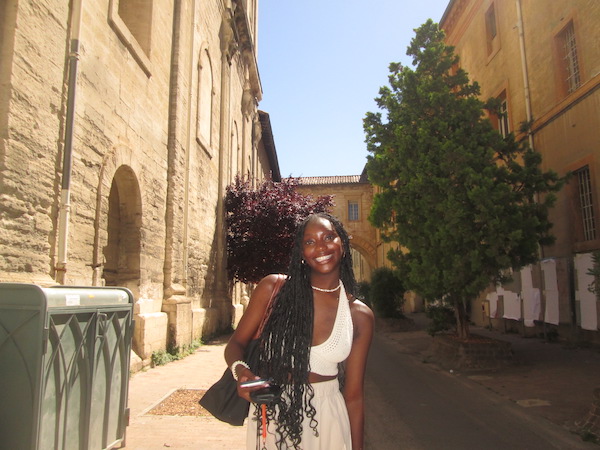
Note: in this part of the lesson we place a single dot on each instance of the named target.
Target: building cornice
(246, 45)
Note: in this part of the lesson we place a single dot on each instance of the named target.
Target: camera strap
(263, 408)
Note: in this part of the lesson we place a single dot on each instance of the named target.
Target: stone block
(135, 364)
(150, 334)
(198, 319)
(179, 312)
(211, 322)
(146, 306)
(205, 322)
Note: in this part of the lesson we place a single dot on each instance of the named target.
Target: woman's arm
(363, 319)
(246, 329)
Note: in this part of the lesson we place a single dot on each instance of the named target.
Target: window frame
(492, 31)
(350, 210)
(564, 77)
(141, 56)
(503, 120)
(585, 197)
(575, 216)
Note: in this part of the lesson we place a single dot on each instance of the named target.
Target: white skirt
(332, 417)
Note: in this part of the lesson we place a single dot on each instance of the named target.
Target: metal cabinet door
(85, 379)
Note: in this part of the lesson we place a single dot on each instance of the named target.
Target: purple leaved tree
(261, 223)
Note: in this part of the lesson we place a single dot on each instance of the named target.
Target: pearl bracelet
(234, 365)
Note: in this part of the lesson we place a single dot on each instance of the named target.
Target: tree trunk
(462, 321)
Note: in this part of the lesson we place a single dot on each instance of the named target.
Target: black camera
(266, 395)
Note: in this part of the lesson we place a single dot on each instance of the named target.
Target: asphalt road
(411, 405)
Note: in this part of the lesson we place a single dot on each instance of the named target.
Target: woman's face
(322, 247)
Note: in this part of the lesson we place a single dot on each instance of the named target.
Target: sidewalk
(549, 380)
(147, 389)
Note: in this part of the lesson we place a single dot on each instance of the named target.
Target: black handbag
(222, 399)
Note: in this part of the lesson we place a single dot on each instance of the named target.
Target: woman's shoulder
(270, 282)
(362, 318)
(272, 279)
(360, 310)
(265, 290)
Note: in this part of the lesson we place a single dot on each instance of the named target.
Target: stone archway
(361, 266)
(123, 247)
(367, 261)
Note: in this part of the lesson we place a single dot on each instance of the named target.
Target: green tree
(386, 293)
(261, 223)
(463, 203)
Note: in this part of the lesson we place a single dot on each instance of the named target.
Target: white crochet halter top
(324, 358)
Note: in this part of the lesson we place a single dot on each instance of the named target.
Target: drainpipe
(525, 73)
(529, 120)
(65, 195)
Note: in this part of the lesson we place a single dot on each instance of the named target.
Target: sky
(321, 64)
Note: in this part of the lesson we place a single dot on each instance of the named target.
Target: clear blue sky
(321, 65)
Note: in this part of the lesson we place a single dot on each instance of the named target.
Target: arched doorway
(123, 247)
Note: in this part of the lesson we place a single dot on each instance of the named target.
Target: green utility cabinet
(64, 366)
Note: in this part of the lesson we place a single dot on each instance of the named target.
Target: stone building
(542, 60)
(122, 122)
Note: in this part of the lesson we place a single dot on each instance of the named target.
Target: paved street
(415, 406)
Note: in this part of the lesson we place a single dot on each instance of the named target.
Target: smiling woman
(314, 325)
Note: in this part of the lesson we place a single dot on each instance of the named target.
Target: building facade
(542, 61)
(122, 123)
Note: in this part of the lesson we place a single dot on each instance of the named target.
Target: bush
(386, 293)
(442, 317)
(364, 288)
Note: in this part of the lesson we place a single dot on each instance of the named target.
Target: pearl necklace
(327, 290)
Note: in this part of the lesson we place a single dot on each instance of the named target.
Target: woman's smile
(322, 259)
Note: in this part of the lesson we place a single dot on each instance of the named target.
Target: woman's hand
(244, 390)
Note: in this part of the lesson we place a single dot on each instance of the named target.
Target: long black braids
(287, 336)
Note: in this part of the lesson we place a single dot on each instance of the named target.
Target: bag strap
(276, 288)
